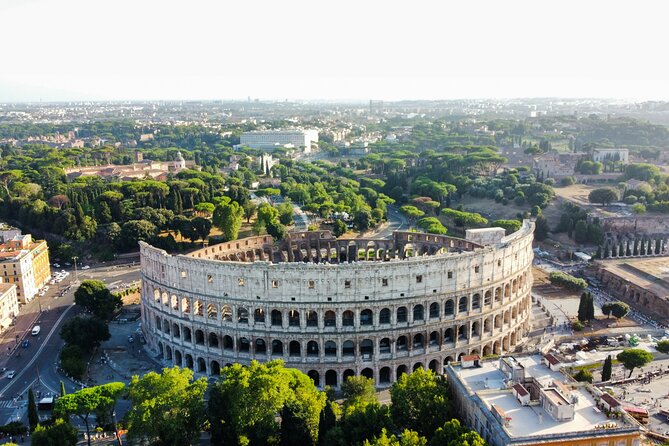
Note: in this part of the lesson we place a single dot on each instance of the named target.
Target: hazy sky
(323, 49)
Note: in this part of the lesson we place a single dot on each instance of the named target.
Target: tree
(586, 308)
(541, 228)
(33, 416)
(62, 389)
(86, 333)
(228, 218)
(60, 433)
(86, 401)
(461, 218)
(134, 231)
(583, 376)
(412, 212)
(250, 209)
(633, 358)
(94, 297)
(604, 195)
(617, 309)
(408, 438)
(511, 226)
(419, 402)
(167, 408)
(363, 219)
(339, 228)
(357, 390)
(452, 433)
(202, 227)
(662, 346)
(608, 367)
(243, 406)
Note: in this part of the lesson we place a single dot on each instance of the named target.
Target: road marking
(39, 351)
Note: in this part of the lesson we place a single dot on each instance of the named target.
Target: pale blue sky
(350, 49)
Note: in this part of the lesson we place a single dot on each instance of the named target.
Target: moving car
(86, 267)
(11, 374)
(36, 330)
(25, 344)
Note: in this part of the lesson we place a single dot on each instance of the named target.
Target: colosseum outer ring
(335, 308)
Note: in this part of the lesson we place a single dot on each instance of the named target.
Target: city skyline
(300, 51)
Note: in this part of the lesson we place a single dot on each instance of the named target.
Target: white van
(36, 330)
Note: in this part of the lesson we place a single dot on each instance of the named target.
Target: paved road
(35, 366)
(396, 222)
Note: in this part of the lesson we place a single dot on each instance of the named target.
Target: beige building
(517, 401)
(9, 305)
(142, 168)
(335, 308)
(24, 262)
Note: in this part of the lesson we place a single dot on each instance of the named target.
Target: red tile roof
(520, 389)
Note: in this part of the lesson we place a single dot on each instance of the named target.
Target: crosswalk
(8, 404)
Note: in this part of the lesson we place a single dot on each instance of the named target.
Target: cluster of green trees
(586, 308)
(244, 404)
(83, 334)
(567, 281)
(264, 404)
(603, 195)
(616, 309)
(574, 221)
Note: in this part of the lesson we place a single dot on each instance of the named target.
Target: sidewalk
(12, 337)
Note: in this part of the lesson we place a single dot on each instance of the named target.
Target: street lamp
(76, 273)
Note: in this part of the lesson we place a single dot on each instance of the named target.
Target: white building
(604, 155)
(269, 139)
(9, 304)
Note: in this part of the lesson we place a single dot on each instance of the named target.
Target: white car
(11, 374)
(86, 267)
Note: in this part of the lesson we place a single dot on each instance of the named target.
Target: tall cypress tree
(582, 305)
(33, 417)
(62, 389)
(590, 307)
(606, 370)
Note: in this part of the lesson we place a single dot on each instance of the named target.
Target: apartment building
(24, 262)
(269, 139)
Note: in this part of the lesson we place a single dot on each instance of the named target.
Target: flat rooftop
(649, 273)
(487, 382)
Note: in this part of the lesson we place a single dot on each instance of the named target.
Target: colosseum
(336, 307)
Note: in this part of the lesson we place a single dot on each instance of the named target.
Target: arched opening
(448, 335)
(418, 313)
(260, 347)
(505, 343)
(462, 332)
(175, 331)
(187, 335)
(330, 319)
(156, 296)
(259, 315)
(174, 302)
(487, 350)
(212, 311)
(448, 360)
(401, 370)
(185, 305)
(384, 346)
(418, 365)
(313, 374)
(199, 337)
(347, 373)
(213, 340)
(496, 348)
(277, 347)
(384, 316)
(434, 338)
(166, 326)
(486, 325)
(449, 307)
(401, 314)
(476, 301)
(366, 348)
(498, 321)
(293, 318)
(434, 366)
(476, 329)
(189, 361)
(331, 378)
(228, 344)
(418, 340)
(348, 348)
(462, 305)
(168, 353)
(460, 357)
(507, 290)
(330, 348)
(312, 348)
(506, 317)
(201, 365)
(384, 375)
(177, 358)
(366, 317)
(294, 348)
(277, 318)
(498, 294)
(487, 298)
(242, 315)
(199, 307)
(347, 318)
(434, 310)
(244, 345)
(215, 368)
(226, 313)
(312, 319)
(367, 373)
(401, 344)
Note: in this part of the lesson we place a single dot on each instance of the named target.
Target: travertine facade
(335, 308)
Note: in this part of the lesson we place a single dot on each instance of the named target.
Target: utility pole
(76, 273)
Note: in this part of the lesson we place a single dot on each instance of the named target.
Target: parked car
(36, 330)
(25, 344)
(86, 267)
(11, 374)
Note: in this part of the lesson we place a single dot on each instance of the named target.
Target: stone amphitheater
(334, 308)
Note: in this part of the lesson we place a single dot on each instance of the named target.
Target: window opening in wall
(329, 299)
(476, 269)
(312, 284)
(419, 278)
(347, 284)
(499, 262)
(275, 284)
(384, 282)
(210, 278)
(366, 297)
(240, 281)
(184, 274)
(450, 274)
